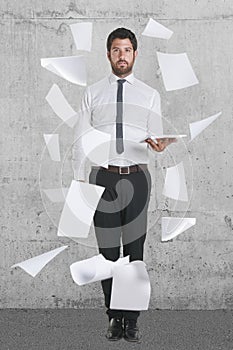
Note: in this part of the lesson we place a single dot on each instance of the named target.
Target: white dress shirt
(141, 117)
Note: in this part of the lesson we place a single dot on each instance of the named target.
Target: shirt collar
(113, 78)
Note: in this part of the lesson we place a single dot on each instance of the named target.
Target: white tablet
(154, 137)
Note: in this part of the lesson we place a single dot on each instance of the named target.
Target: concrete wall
(193, 271)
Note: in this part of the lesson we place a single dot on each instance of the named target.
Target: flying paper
(175, 184)
(79, 209)
(176, 71)
(71, 68)
(197, 127)
(172, 227)
(60, 106)
(56, 195)
(34, 265)
(130, 287)
(157, 30)
(82, 34)
(94, 269)
(98, 149)
(52, 143)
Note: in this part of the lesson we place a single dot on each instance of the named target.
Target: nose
(121, 55)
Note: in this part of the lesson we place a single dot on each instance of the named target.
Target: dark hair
(122, 33)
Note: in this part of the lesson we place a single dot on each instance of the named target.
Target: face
(121, 57)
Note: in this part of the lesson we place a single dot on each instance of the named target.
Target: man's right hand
(161, 144)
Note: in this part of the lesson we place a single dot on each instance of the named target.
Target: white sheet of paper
(34, 265)
(56, 195)
(98, 149)
(175, 184)
(60, 106)
(79, 209)
(197, 127)
(130, 287)
(157, 30)
(71, 68)
(172, 227)
(176, 71)
(94, 269)
(52, 143)
(82, 34)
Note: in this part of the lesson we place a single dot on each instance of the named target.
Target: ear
(136, 53)
(108, 55)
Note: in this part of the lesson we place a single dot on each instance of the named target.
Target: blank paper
(52, 143)
(197, 127)
(157, 30)
(172, 227)
(34, 265)
(175, 183)
(82, 34)
(130, 287)
(96, 146)
(94, 269)
(79, 209)
(60, 106)
(71, 68)
(176, 71)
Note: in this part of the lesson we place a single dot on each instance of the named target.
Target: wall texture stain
(228, 221)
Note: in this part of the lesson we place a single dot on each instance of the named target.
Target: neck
(122, 75)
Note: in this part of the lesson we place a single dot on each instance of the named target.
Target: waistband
(124, 170)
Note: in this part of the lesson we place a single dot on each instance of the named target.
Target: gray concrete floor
(24, 329)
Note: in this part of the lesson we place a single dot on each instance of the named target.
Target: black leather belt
(125, 170)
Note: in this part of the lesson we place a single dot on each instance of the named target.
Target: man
(129, 110)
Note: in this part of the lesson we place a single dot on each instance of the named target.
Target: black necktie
(119, 128)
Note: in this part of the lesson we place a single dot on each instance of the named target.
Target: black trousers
(121, 215)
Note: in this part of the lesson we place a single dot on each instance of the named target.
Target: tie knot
(121, 81)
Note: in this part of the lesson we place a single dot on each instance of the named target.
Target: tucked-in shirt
(141, 117)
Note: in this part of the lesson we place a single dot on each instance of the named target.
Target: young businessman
(129, 110)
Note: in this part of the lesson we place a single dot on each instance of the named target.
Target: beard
(119, 69)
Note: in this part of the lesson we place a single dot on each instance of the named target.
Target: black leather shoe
(115, 329)
(131, 331)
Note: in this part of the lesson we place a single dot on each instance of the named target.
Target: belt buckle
(123, 173)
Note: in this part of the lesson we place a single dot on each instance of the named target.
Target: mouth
(122, 63)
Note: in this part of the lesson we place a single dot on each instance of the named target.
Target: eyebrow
(117, 47)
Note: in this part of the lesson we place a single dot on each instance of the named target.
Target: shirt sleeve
(155, 124)
(82, 124)
(156, 103)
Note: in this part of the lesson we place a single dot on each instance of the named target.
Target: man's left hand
(161, 143)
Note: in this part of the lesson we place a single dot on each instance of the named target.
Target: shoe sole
(113, 339)
(132, 341)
